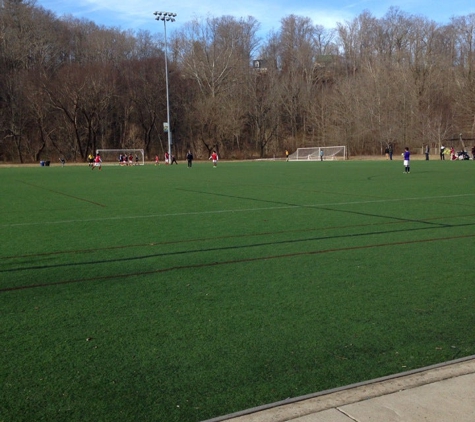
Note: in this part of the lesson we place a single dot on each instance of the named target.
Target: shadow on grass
(220, 249)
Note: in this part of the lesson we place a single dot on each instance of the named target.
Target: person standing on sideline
(321, 155)
(189, 158)
(97, 162)
(166, 158)
(156, 160)
(174, 160)
(386, 153)
(426, 152)
(214, 157)
(286, 155)
(442, 152)
(391, 151)
(407, 160)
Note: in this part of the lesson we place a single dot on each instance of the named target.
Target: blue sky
(138, 14)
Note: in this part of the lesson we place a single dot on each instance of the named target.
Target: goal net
(123, 157)
(319, 153)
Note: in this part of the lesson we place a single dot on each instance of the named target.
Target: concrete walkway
(439, 393)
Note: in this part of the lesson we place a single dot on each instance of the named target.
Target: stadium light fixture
(167, 17)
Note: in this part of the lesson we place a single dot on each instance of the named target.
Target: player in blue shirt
(407, 160)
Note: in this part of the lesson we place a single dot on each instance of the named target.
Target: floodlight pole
(167, 17)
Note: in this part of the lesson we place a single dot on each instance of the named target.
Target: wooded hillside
(68, 86)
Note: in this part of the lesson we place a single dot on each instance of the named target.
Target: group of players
(189, 159)
(95, 161)
(128, 160)
(460, 155)
(168, 159)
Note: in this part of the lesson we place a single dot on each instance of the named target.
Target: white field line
(185, 214)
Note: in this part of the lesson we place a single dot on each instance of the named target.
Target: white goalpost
(112, 156)
(319, 154)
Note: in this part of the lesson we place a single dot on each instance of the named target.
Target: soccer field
(174, 294)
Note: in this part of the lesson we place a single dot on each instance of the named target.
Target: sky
(138, 14)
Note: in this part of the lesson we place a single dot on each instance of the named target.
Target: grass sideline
(176, 294)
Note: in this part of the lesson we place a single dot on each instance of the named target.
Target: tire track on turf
(213, 238)
(222, 249)
(62, 193)
(232, 262)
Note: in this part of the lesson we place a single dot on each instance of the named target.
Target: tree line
(69, 86)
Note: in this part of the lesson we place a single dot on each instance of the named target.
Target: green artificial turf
(175, 294)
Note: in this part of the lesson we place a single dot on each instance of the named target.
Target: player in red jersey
(214, 157)
(97, 162)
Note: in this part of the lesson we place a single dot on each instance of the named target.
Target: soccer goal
(122, 156)
(319, 153)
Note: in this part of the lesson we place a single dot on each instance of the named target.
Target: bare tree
(215, 55)
(69, 86)
(143, 101)
(464, 77)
